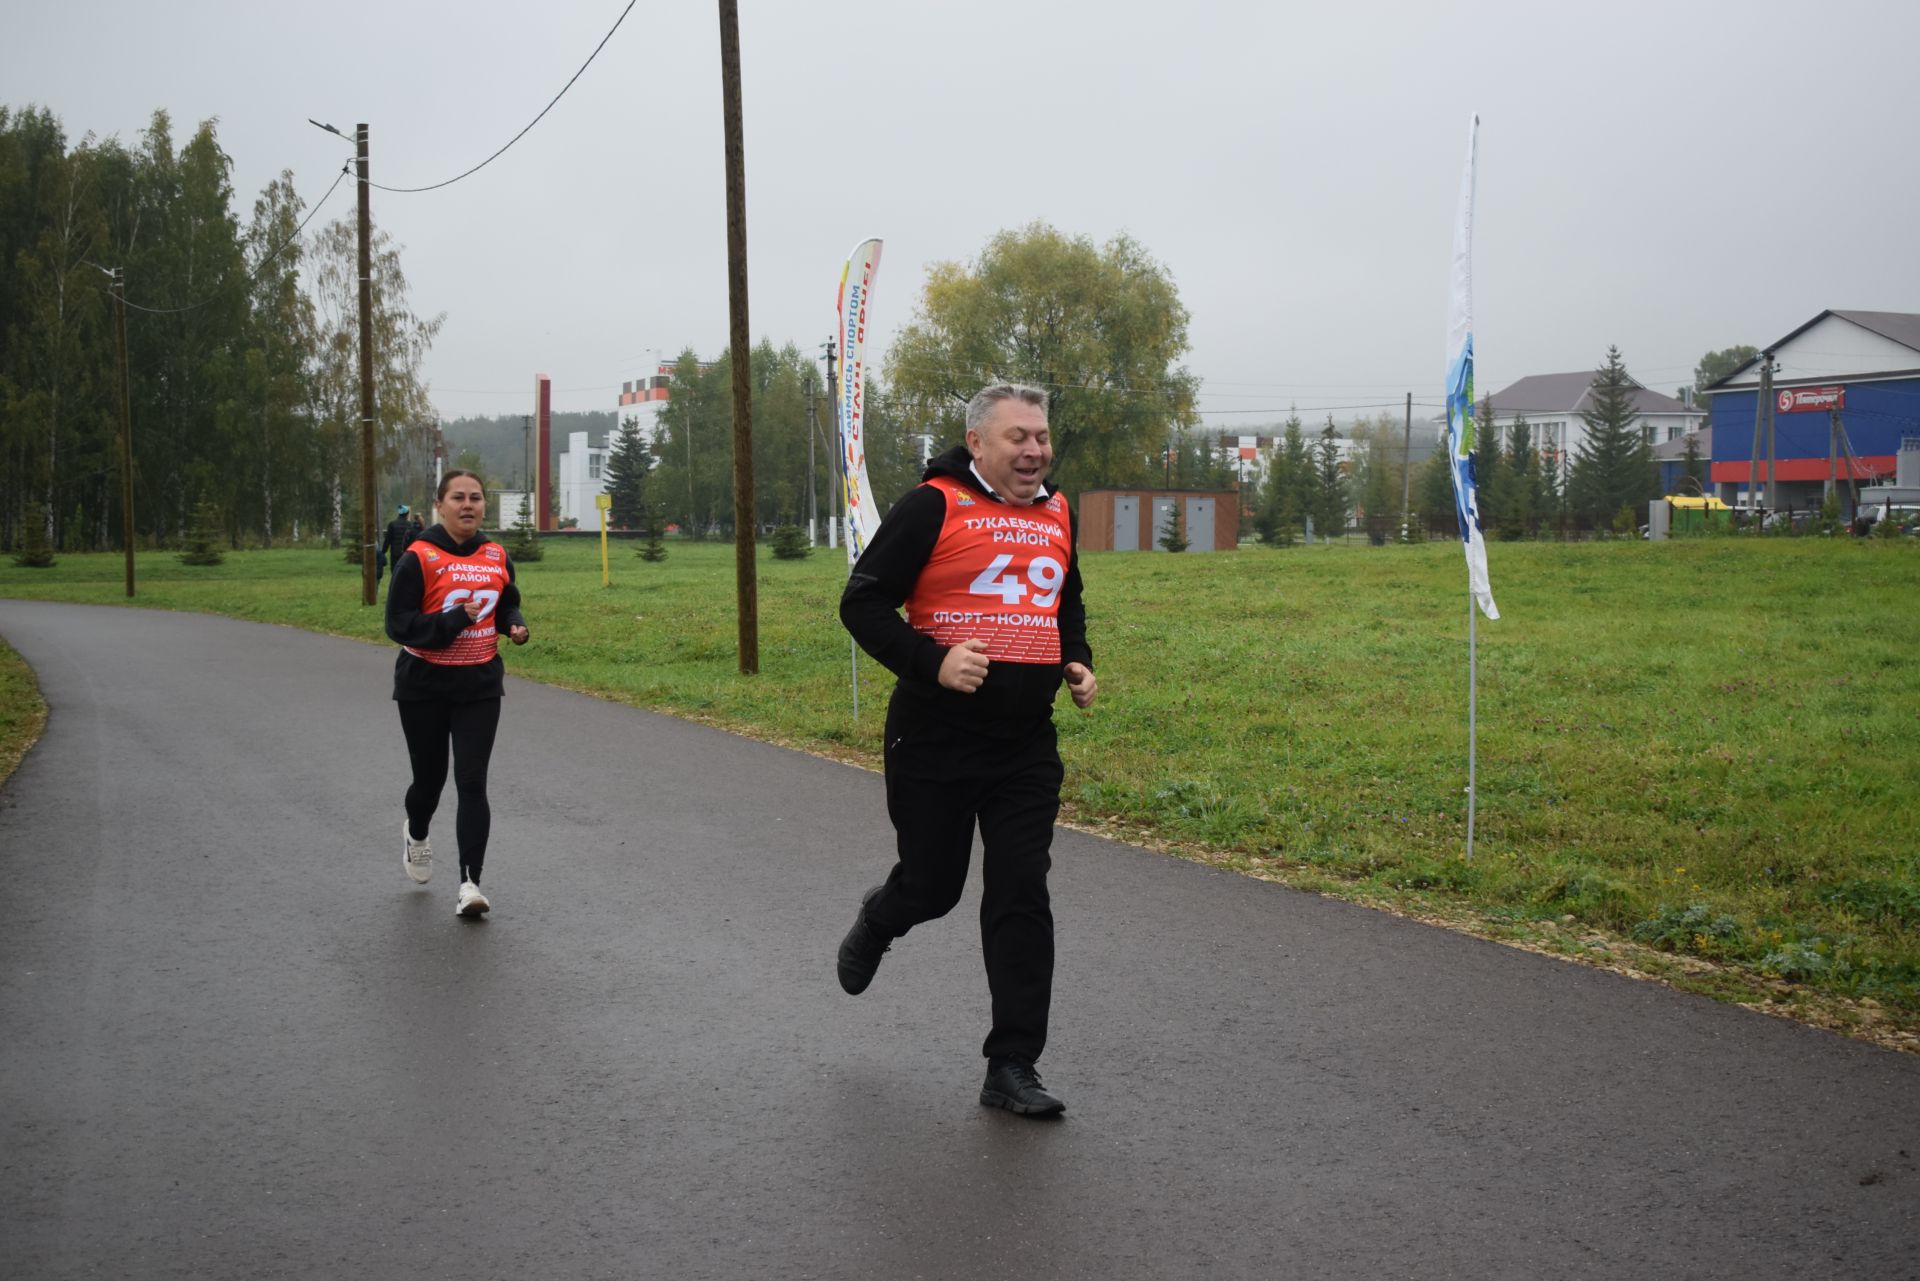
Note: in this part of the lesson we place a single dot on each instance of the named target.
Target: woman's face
(462, 507)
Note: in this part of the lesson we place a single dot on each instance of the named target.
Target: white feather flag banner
(1460, 424)
(856, 289)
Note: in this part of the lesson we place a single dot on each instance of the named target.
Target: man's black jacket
(1014, 695)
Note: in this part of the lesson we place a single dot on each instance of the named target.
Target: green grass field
(1691, 752)
(22, 711)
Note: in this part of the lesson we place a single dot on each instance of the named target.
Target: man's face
(1012, 449)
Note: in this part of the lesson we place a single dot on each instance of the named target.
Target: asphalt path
(239, 1043)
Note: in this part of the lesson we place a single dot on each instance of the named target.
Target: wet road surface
(237, 1042)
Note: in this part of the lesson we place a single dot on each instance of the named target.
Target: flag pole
(1462, 445)
(1473, 710)
(856, 293)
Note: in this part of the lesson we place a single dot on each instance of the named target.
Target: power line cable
(530, 124)
(1322, 409)
(260, 267)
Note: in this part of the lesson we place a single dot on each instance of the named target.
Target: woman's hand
(518, 634)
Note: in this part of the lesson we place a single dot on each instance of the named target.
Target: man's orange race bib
(451, 581)
(995, 575)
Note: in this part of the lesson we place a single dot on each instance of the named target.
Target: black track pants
(430, 725)
(940, 782)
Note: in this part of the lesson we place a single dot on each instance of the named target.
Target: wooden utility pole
(813, 470)
(839, 450)
(745, 585)
(1853, 466)
(367, 579)
(1759, 420)
(1406, 476)
(126, 421)
(1833, 451)
(1773, 471)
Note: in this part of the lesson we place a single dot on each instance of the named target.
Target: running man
(982, 556)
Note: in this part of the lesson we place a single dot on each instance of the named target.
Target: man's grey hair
(987, 397)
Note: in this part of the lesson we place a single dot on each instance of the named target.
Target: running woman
(451, 591)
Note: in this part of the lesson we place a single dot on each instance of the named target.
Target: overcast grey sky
(1671, 177)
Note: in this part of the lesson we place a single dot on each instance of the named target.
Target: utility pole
(813, 470)
(1773, 472)
(367, 590)
(126, 421)
(745, 584)
(1759, 418)
(526, 445)
(1833, 451)
(839, 452)
(1406, 476)
(1853, 467)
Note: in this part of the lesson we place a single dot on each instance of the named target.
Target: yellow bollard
(605, 503)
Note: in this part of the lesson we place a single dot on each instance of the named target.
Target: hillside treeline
(242, 346)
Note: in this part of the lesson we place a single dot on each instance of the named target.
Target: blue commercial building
(1845, 389)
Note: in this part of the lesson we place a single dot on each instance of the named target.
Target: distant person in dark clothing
(393, 544)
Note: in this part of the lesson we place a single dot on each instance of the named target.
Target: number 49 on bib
(1044, 572)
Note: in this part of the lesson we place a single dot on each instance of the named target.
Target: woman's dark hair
(440, 494)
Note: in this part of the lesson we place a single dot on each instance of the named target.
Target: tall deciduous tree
(1612, 468)
(896, 453)
(403, 415)
(692, 481)
(1100, 328)
(694, 441)
(224, 383)
(57, 386)
(184, 251)
(1716, 365)
(268, 416)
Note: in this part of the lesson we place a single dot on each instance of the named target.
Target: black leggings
(471, 727)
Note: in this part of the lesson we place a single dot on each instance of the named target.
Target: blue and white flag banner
(1460, 407)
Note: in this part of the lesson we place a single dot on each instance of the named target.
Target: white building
(1552, 405)
(582, 478)
(503, 508)
(641, 398)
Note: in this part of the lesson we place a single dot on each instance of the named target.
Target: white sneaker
(415, 856)
(472, 902)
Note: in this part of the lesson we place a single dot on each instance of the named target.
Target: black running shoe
(861, 950)
(1016, 1087)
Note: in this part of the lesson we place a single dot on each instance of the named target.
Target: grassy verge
(1696, 759)
(23, 714)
